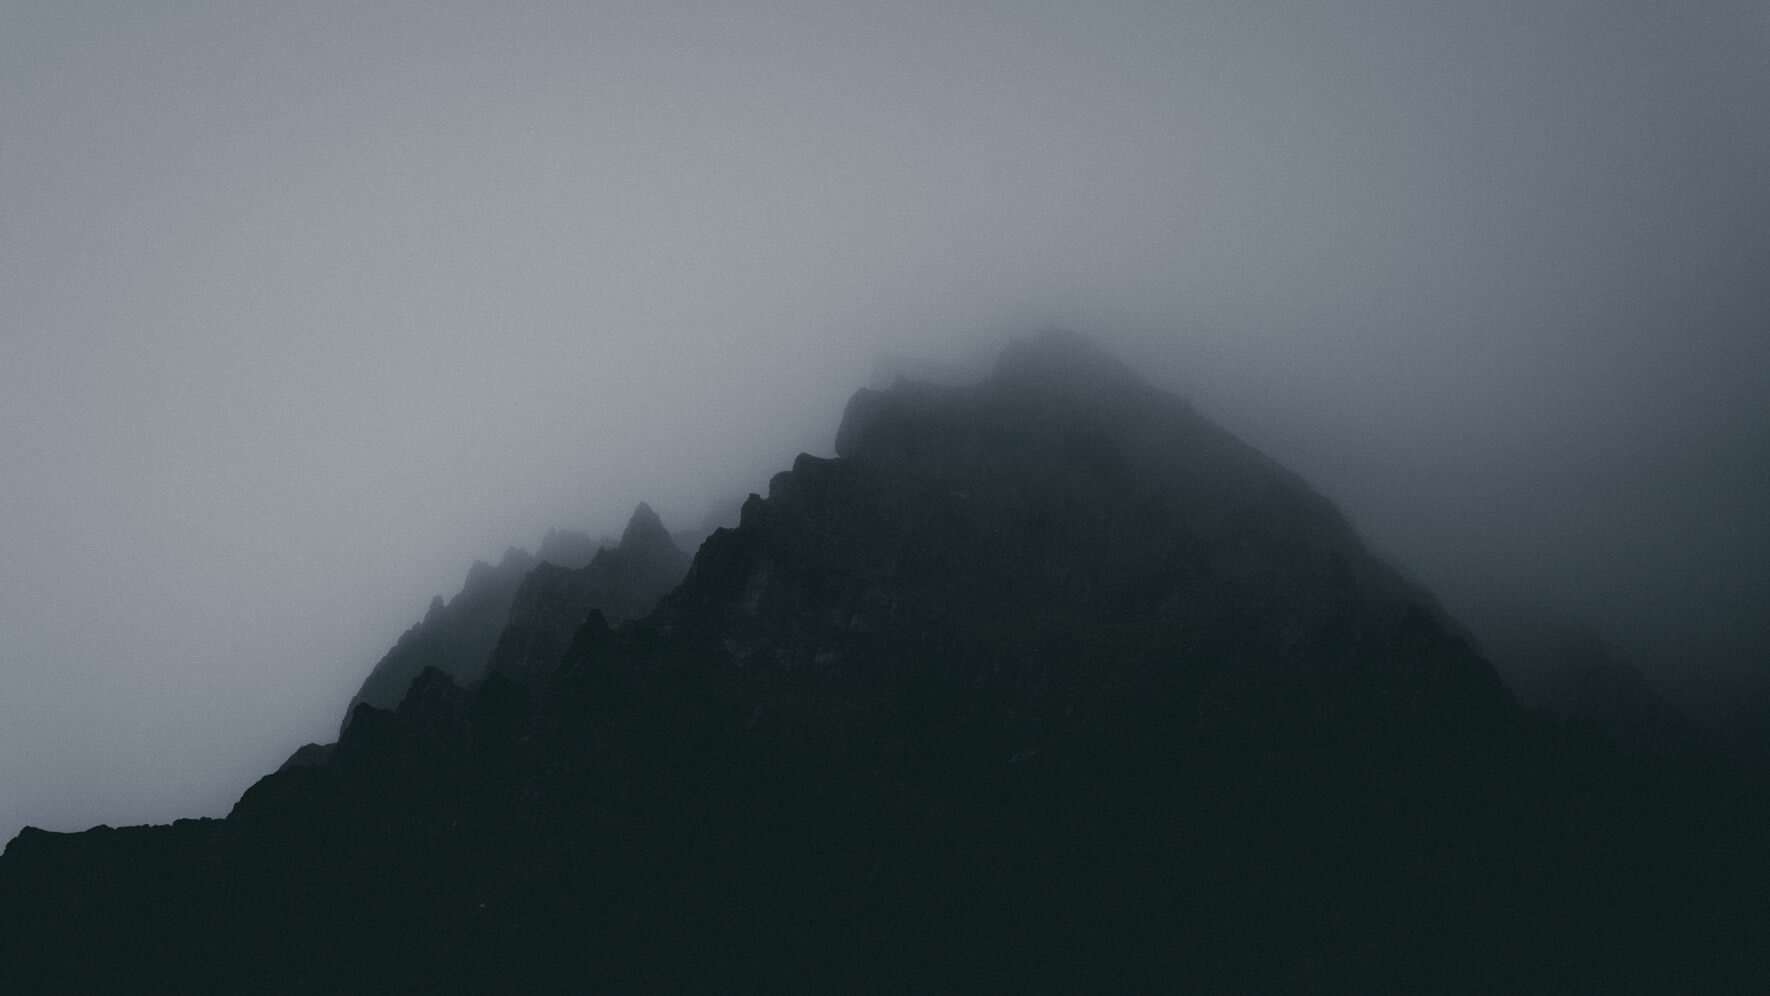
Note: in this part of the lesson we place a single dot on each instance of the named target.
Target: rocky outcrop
(623, 582)
(456, 638)
(519, 616)
(996, 527)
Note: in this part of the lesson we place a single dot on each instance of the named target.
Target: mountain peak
(1037, 657)
(645, 530)
(1062, 360)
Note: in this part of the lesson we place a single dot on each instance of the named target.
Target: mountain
(460, 638)
(569, 548)
(1060, 492)
(455, 637)
(1044, 682)
(1562, 668)
(621, 583)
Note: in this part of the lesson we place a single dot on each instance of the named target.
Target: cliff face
(1042, 683)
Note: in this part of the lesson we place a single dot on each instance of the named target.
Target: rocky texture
(503, 609)
(1042, 684)
(1061, 493)
(620, 583)
(456, 637)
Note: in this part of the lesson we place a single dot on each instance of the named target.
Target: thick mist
(310, 306)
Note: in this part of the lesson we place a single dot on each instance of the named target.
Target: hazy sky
(304, 307)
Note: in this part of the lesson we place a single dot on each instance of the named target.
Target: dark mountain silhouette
(1042, 683)
(456, 637)
(621, 583)
(459, 638)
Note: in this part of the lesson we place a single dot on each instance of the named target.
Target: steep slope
(1043, 683)
(459, 637)
(1060, 492)
(456, 637)
(621, 583)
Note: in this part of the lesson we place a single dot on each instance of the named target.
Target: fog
(309, 306)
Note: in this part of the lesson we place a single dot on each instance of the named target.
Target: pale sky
(305, 307)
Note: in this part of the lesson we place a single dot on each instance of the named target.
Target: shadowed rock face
(621, 583)
(1061, 495)
(508, 613)
(456, 638)
(1044, 682)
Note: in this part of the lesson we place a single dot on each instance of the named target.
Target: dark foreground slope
(1042, 684)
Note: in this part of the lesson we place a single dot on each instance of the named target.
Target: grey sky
(307, 306)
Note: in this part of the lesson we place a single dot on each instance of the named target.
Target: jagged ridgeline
(502, 610)
(1044, 682)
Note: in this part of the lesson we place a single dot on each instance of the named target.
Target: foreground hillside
(1041, 683)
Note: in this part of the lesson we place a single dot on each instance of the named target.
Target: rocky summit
(1041, 683)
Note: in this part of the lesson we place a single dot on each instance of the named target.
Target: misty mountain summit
(1061, 496)
(1042, 682)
